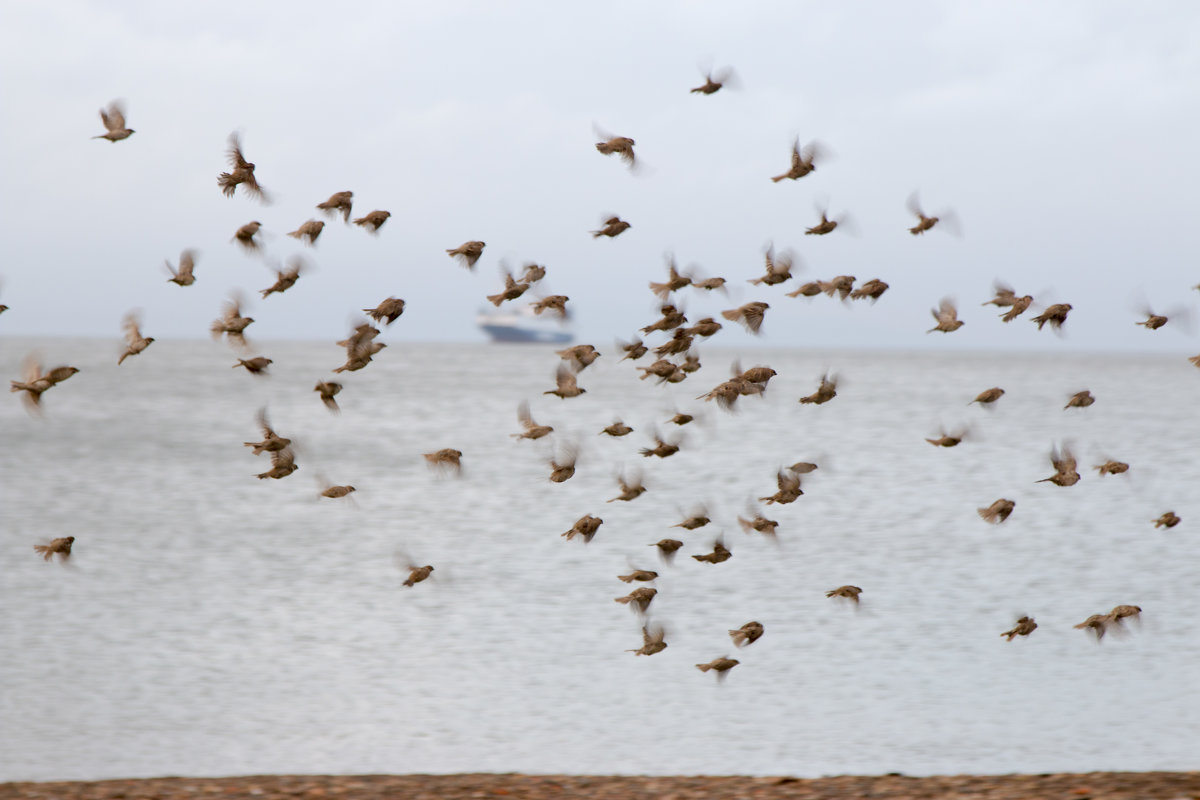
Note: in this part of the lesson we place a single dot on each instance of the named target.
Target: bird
(245, 235)
(272, 442)
(468, 253)
(946, 316)
(1080, 400)
(1153, 321)
(988, 396)
(951, 439)
(671, 318)
(705, 327)
(639, 599)
(1111, 467)
(338, 201)
(1005, 296)
(843, 285)
(328, 389)
(134, 341)
(719, 554)
(184, 275)
(824, 226)
(532, 429)
(337, 491)
(579, 356)
(810, 289)
(445, 459)
(586, 527)
(758, 523)
(34, 382)
(418, 574)
(681, 418)
(997, 512)
(567, 385)
(533, 273)
(60, 546)
(286, 278)
(697, 520)
(680, 342)
(242, 173)
(1024, 627)
(667, 548)
(709, 284)
(1170, 519)
(562, 467)
(1019, 305)
(309, 232)
(113, 118)
(803, 467)
(849, 592)
(652, 641)
(727, 393)
(924, 223)
(387, 312)
(555, 302)
(872, 289)
(674, 282)
(1097, 624)
(713, 81)
(661, 449)
(779, 268)
(631, 489)
(512, 290)
(1056, 315)
(618, 428)
(788, 484)
(719, 665)
(749, 633)
(803, 161)
(232, 323)
(1064, 468)
(621, 145)
(255, 366)
(639, 575)
(611, 227)
(283, 463)
(825, 392)
(1123, 612)
(373, 221)
(750, 315)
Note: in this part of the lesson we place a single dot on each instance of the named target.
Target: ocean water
(210, 623)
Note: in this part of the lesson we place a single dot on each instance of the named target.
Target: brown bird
(245, 235)
(635, 349)
(1195, 360)
(680, 342)
(951, 439)
(1064, 468)
(555, 302)
(1112, 467)
(1080, 400)
(661, 448)
(586, 526)
(843, 285)
(533, 273)
(803, 467)
(825, 392)
(1097, 624)
(187, 264)
(667, 548)
(713, 81)
(562, 467)
(779, 268)
(113, 118)
(337, 491)
(338, 201)
(789, 491)
(639, 599)
(242, 173)
(232, 324)
(988, 396)
(727, 393)
(255, 366)
(1170, 519)
(802, 161)
(309, 232)
(872, 289)
(924, 223)
(697, 520)
(621, 145)
(1024, 627)
(61, 545)
(709, 284)
(532, 429)
(33, 382)
(630, 489)
(671, 318)
(758, 523)
(387, 312)
(1019, 304)
(328, 389)
(1005, 296)
(848, 592)
(418, 574)
(705, 327)
(1056, 315)
(1153, 321)
(997, 512)
(810, 289)
(720, 665)
(674, 281)
(1121, 613)
(750, 315)
(445, 459)
(374, 220)
(749, 633)
(134, 341)
(719, 553)
(618, 428)
(681, 418)
(283, 463)
(639, 575)
(286, 278)
(825, 225)
(691, 363)
(272, 442)
(512, 290)
(947, 317)
(468, 252)
(567, 386)
(611, 227)
(652, 641)
(579, 356)
(361, 347)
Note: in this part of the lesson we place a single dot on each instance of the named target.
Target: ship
(521, 324)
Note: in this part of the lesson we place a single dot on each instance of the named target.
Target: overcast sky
(1062, 135)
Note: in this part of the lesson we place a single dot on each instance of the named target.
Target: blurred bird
(621, 145)
(750, 315)
(719, 553)
(618, 428)
(758, 523)
(803, 467)
(951, 439)
(335, 492)
(667, 548)
(997, 512)
(567, 386)
(468, 252)
(872, 289)
(113, 118)
(232, 323)
(272, 442)
(720, 665)
(555, 302)
(810, 289)
(611, 227)
(579, 356)
(418, 574)
(586, 526)
(1153, 321)
(697, 520)
(309, 232)
(849, 592)
(713, 81)
(680, 342)
(674, 281)
(242, 173)
(1170, 519)
(691, 363)
(1064, 468)
(1056, 315)
(749, 633)
(255, 366)
(705, 327)
(709, 284)
(925, 223)
(187, 264)
(988, 396)
(727, 393)
(802, 161)
(562, 467)
(681, 418)
(1112, 467)
(532, 429)
(445, 459)
(1024, 627)
(374, 220)
(1096, 624)
(245, 235)
(1120, 613)
(661, 448)
(1080, 400)
(283, 463)
(338, 201)
(825, 392)
(328, 389)
(134, 341)
(639, 575)
(387, 312)
(779, 269)
(634, 349)
(1019, 304)
(947, 317)
(671, 318)
(1195, 360)
(631, 489)
(286, 278)
(1005, 296)
(61, 545)
(533, 273)
(843, 285)
(789, 491)
(639, 599)
(652, 641)
(512, 290)
(825, 225)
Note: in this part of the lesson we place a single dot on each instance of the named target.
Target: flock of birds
(675, 361)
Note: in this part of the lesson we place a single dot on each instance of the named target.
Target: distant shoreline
(1068, 786)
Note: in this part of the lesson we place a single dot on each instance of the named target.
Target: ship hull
(510, 333)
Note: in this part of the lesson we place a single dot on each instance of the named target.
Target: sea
(212, 623)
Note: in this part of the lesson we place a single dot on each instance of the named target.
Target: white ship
(520, 324)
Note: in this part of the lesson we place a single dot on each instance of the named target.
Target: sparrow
(802, 161)
(242, 173)
(872, 289)
(842, 284)
(612, 227)
(661, 449)
(1024, 627)
(789, 488)
(681, 419)
(1153, 321)
(634, 349)
(1019, 305)
(713, 81)
(720, 665)
(373, 221)
(512, 290)
(691, 363)
(727, 393)
(750, 315)
(639, 599)
(338, 201)
(565, 470)
(705, 327)
(328, 389)
(667, 548)
(997, 512)
(579, 356)
(697, 520)
(586, 526)
(810, 289)
(555, 302)
(445, 459)
(629, 490)
(1056, 315)
(1112, 467)
(1169, 519)
(566, 383)
(709, 284)
(949, 439)
(779, 269)
(232, 324)
(134, 341)
(272, 442)
(468, 253)
(255, 366)
(652, 642)
(1120, 613)
(848, 592)
(113, 118)
(183, 276)
(720, 553)
(532, 429)
(309, 231)
(825, 392)
(758, 523)
(1097, 624)
(618, 428)
(1064, 468)
(680, 342)
(639, 575)
(674, 282)
(671, 318)
(337, 491)
(924, 223)
(61, 545)
(947, 317)
(418, 574)
(1005, 296)
(283, 463)
(988, 396)
(1080, 400)
(533, 273)
(824, 226)
(286, 279)
(621, 145)
(803, 467)
(245, 235)
(387, 312)
(749, 633)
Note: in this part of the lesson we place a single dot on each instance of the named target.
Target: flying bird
(309, 232)
(803, 161)
(255, 366)
(1064, 464)
(567, 385)
(988, 396)
(639, 599)
(1024, 627)
(328, 389)
(373, 221)
(585, 527)
(468, 253)
(532, 429)
(1111, 467)
(338, 201)
(719, 665)
(241, 174)
(652, 641)
(1080, 400)
(1056, 315)
(286, 278)
(924, 222)
(134, 341)
(183, 276)
(749, 633)
(611, 227)
(872, 290)
(714, 81)
(60, 546)
(719, 554)
(245, 235)
(946, 316)
(232, 324)
(997, 512)
(418, 574)
(445, 459)
(1169, 520)
(750, 315)
(620, 145)
(825, 392)
(779, 268)
(387, 312)
(113, 118)
(788, 484)
(848, 592)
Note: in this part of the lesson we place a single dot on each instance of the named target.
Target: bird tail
(778, 178)
(44, 549)
(731, 315)
(227, 183)
(704, 667)
(496, 299)
(622, 600)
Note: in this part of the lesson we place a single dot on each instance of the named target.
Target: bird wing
(114, 117)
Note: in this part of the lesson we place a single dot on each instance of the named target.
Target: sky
(1060, 135)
